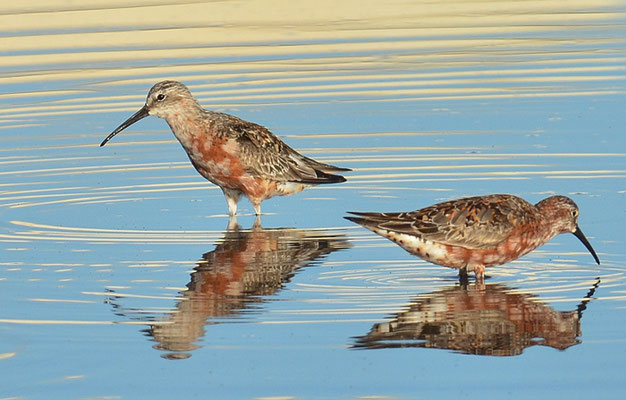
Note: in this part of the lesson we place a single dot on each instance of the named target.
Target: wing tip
(335, 178)
(339, 169)
(322, 178)
(356, 220)
(366, 219)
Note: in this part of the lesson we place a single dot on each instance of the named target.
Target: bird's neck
(549, 222)
(187, 121)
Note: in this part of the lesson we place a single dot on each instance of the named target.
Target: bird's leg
(232, 223)
(463, 276)
(257, 208)
(232, 197)
(257, 223)
(479, 270)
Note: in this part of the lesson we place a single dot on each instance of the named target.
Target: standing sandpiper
(240, 157)
(477, 232)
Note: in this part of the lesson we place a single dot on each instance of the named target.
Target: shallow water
(120, 279)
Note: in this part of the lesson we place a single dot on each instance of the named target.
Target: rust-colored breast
(219, 162)
(522, 240)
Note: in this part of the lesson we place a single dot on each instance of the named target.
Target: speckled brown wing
(265, 155)
(474, 222)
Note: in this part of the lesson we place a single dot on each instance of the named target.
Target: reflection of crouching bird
(489, 319)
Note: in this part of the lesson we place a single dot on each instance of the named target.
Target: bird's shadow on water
(245, 269)
(480, 319)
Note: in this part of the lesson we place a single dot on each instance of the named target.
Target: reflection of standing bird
(238, 156)
(477, 232)
(479, 319)
(234, 276)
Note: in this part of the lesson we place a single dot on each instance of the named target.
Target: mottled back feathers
(265, 155)
(473, 223)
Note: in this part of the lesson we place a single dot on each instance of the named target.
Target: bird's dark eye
(575, 213)
(160, 97)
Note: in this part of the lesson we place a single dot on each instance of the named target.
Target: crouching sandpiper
(477, 232)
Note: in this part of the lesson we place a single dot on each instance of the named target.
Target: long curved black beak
(579, 234)
(141, 114)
